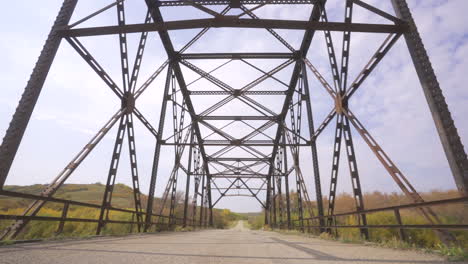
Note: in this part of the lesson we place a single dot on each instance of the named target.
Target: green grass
(88, 193)
(417, 239)
(7, 242)
(91, 193)
(453, 253)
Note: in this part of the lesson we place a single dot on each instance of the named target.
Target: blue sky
(75, 103)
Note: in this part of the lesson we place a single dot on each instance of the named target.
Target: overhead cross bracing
(236, 122)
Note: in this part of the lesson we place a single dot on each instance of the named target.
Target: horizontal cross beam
(238, 159)
(233, 143)
(244, 2)
(237, 177)
(232, 92)
(237, 118)
(235, 22)
(237, 56)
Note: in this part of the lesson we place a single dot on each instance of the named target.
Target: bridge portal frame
(288, 136)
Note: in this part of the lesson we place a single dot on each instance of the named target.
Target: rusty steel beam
(229, 2)
(20, 120)
(444, 123)
(235, 22)
(236, 56)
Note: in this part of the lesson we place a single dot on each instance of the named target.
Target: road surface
(237, 245)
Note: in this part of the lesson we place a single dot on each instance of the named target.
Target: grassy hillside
(91, 193)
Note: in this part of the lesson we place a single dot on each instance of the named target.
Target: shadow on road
(315, 254)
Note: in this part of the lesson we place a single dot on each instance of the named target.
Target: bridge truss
(210, 155)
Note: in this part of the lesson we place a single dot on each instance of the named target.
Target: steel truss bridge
(207, 154)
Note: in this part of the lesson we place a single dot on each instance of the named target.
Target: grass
(7, 242)
(92, 193)
(417, 239)
(453, 253)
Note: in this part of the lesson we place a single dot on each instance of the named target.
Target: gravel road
(237, 245)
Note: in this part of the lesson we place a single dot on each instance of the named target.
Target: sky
(75, 103)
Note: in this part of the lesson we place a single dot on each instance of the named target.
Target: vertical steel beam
(400, 222)
(335, 168)
(172, 217)
(279, 168)
(280, 201)
(305, 45)
(354, 172)
(123, 47)
(196, 166)
(444, 123)
(114, 165)
(62, 220)
(134, 171)
(300, 204)
(268, 201)
(273, 208)
(31, 93)
(318, 186)
(187, 183)
(210, 203)
(202, 202)
(288, 202)
(286, 182)
(157, 152)
(153, 8)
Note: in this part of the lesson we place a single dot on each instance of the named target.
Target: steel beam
(444, 123)
(33, 89)
(202, 202)
(60, 179)
(114, 165)
(305, 45)
(238, 118)
(157, 152)
(318, 186)
(171, 53)
(187, 183)
(235, 56)
(245, 2)
(234, 22)
(210, 201)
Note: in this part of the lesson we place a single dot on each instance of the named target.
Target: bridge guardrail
(166, 220)
(308, 223)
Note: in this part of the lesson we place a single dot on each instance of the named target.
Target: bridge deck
(237, 245)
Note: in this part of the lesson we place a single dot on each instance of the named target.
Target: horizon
(340, 194)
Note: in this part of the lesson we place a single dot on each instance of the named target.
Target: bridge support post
(401, 230)
(286, 183)
(202, 202)
(210, 204)
(62, 220)
(280, 201)
(33, 89)
(157, 152)
(444, 123)
(273, 205)
(318, 187)
(187, 184)
(268, 202)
